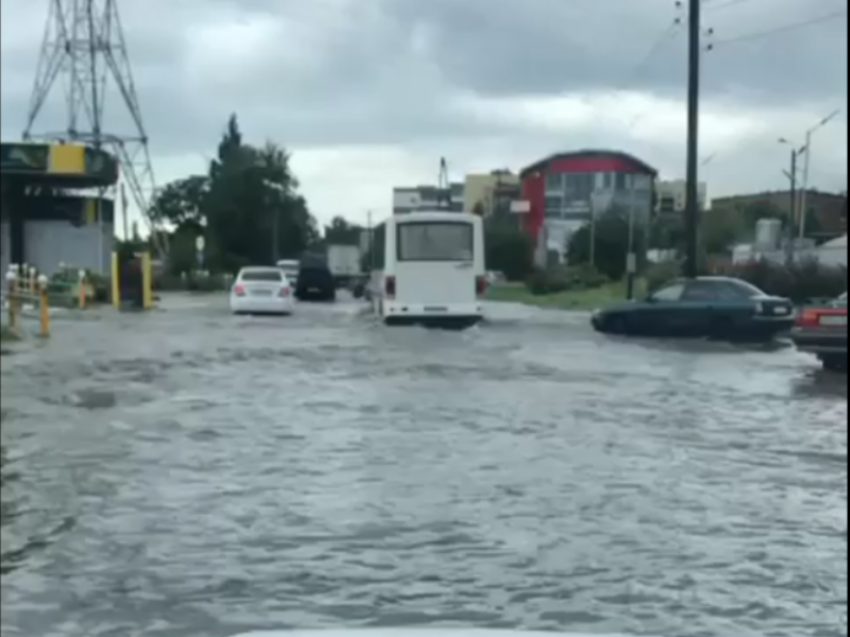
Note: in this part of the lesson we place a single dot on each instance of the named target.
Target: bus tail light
(389, 287)
(481, 285)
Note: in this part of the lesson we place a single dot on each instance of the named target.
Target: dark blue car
(705, 307)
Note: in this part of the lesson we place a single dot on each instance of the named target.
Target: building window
(642, 182)
(579, 186)
(554, 182)
(621, 181)
(553, 206)
(608, 181)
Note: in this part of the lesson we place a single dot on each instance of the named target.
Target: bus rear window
(434, 241)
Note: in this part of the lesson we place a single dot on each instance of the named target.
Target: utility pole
(792, 200)
(793, 192)
(444, 187)
(692, 176)
(631, 257)
(275, 236)
(124, 212)
(371, 243)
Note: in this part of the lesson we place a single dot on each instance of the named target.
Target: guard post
(12, 296)
(132, 280)
(81, 289)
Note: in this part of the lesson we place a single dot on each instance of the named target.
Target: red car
(822, 331)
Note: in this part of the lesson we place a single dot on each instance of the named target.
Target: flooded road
(187, 473)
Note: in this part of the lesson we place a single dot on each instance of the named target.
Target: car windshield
(268, 275)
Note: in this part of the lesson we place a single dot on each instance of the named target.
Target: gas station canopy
(58, 165)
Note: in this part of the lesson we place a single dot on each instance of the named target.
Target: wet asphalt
(187, 473)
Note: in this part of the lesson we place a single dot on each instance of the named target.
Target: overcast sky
(369, 94)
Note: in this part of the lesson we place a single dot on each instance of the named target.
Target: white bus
(433, 270)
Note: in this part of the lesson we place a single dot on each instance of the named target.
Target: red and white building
(560, 191)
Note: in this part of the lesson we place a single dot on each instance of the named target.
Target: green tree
(342, 232)
(247, 207)
(721, 229)
(611, 245)
(182, 201)
(508, 249)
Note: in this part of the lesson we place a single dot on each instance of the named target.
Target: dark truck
(315, 281)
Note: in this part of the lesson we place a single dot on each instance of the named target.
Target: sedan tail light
(808, 318)
(285, 292)
(481, 285)
(389, 287)
(239, 289)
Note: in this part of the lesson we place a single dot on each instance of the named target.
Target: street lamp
(806, 161)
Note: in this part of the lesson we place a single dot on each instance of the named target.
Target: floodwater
(186, 473)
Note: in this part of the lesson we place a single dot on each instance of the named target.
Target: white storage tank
(768, 234)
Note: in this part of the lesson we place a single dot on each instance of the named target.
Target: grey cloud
(386, 73)
(501, 47)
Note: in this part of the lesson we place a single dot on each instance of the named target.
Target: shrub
(190, 283)
(659, 274)
(798, 281)
(543, 282)
(560, 279)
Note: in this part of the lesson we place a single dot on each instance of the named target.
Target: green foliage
(191, 282)
(341, 232)
(561, 279)
(182, 201)
(798, 281)
(658, 275)
(247, 207)
(722, 228)
(611, 244)
(508, 250)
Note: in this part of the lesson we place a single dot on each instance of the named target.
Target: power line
(725, 5)
(782, 29)
(635, 71)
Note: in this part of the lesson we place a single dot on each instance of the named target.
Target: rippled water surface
(190, 474)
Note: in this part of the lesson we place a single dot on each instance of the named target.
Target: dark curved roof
(588, 152)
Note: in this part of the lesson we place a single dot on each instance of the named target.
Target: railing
(25, 286)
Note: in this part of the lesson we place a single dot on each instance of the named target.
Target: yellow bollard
(43, 307)
(147, 281)
(11, 286)
(114, 282)
(81, 289)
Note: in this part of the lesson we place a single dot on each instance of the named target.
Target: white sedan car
(261, 290)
